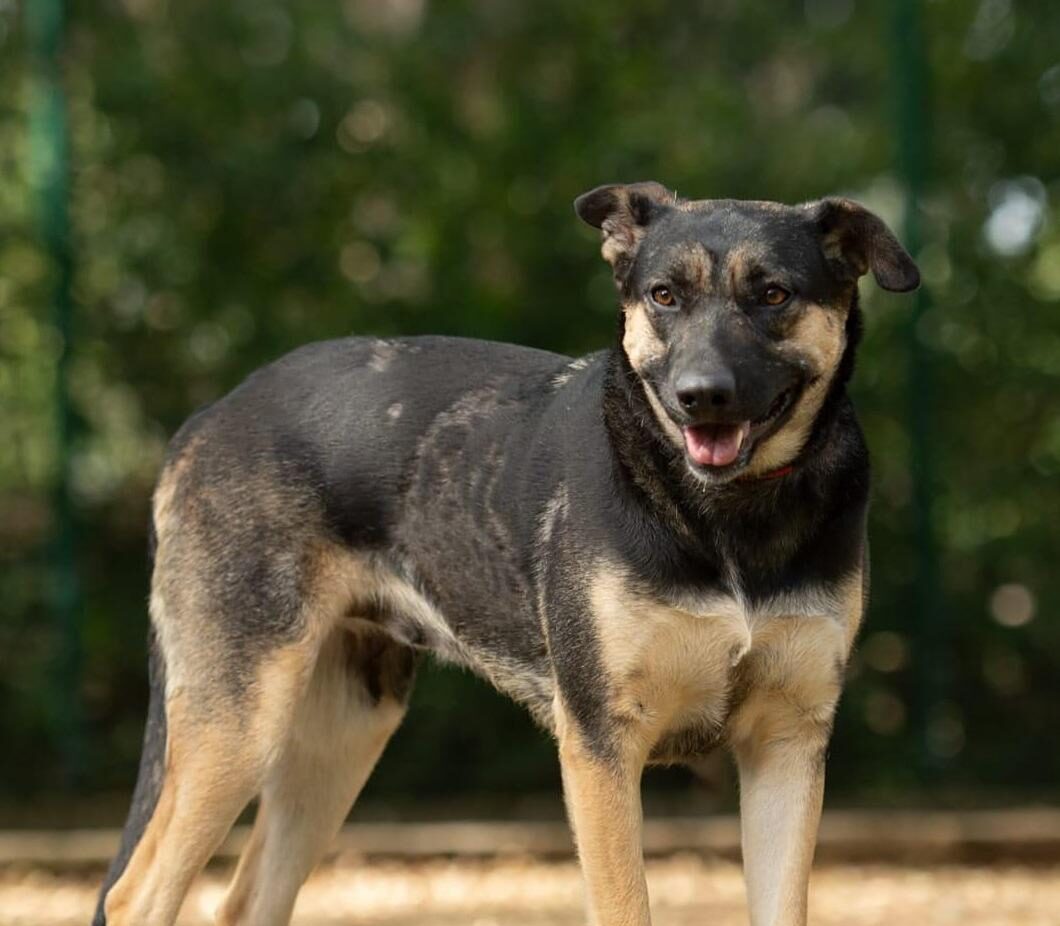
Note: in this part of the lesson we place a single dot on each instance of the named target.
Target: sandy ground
(685, 890)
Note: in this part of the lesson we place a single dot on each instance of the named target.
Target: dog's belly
(386, 599)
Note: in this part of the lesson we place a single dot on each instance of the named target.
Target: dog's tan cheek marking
(818, 338)
(665, 421)
(644, 348)
(666, 667)
(641, 342)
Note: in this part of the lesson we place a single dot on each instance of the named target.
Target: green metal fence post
(49, 158)
(914, 159)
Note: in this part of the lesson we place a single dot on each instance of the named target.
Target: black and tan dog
(658, 549)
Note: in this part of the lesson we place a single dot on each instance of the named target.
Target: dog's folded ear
(622, 211)
(855, 241)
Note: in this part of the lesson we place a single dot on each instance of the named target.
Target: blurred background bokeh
(233, 179)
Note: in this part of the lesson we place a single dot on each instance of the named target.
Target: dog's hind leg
(218, 749)
(231, 685)
(355, 700)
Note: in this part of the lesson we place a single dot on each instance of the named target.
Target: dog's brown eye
(775, 295)
(663, 296)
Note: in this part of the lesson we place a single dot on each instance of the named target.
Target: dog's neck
(654, 467)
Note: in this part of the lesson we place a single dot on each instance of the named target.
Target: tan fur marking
(779, 734)
(800, 645)
(219, 746)
(795, 687)
(781, 790)
(832, 245)
(163, 508)
(696, 264)
(336, 737)
(281, 679)
(620, 241)
(850, 602)
(672, 664)
(603, 803)
(739, 262)
(668, 667)
(819, 337)
(212, 770)
(836, 246)
(621, 232)
(665, 421)
(642, 345)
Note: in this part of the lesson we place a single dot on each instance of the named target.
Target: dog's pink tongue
(716, 444)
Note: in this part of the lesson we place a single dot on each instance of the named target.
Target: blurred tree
(249, 176)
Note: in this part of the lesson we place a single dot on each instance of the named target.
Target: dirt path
(685, 891)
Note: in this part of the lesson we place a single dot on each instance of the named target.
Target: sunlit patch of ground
(686, 890)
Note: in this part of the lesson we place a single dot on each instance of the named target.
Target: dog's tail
(149, 780)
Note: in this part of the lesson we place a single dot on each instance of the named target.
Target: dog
(659, 549)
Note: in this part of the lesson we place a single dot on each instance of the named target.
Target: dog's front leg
(781, 788)
(602, 790)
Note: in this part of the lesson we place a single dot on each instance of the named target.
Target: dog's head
(735, 312)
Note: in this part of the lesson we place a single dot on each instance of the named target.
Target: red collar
(772, 474)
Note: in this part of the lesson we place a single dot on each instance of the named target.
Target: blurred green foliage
(252, 175)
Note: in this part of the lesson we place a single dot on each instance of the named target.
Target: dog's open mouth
(720, 444)
(716, 444)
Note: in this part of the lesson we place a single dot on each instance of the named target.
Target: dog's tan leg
(779, 735)
(603, 801)
(218, 750)
(338, 733)
(781, 786)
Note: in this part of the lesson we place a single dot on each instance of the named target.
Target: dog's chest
(679, 670)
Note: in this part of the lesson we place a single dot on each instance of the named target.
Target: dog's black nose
(699, 392)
